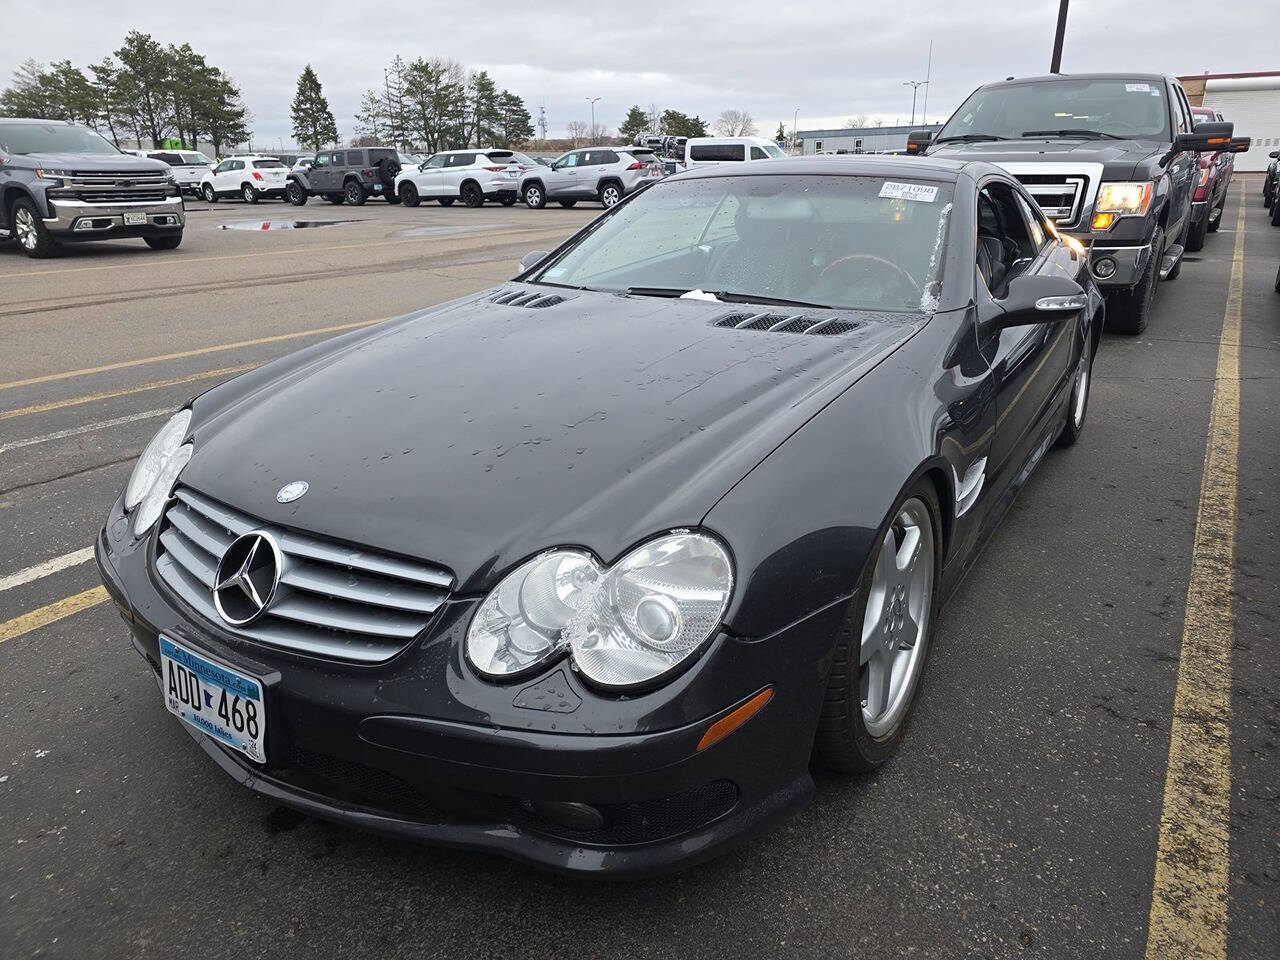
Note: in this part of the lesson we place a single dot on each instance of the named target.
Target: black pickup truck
(1111, 159)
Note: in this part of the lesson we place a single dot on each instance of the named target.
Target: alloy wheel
(532, 196)
(25, 226)
(896, 621)
(1082, 388)
(610, 196)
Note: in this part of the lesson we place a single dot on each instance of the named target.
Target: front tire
(507, 201)
(354, 194)
(879, 658)
(210, 194)
(1275, 208)
(336, 199)
(472, 195)
(164, 243)
(1078, 404)
(29, 229)
(534, 197)
(1130, 311)
(409, 194)
(1196, 233)
(294, 193)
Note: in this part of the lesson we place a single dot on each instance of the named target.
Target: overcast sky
(831, 59)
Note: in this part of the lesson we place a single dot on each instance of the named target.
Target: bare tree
(579, 131)
(856, 122)
(736, 123)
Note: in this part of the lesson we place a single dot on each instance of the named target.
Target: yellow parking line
(1189, 897)
(43, 616)
(141, 388)
(182, 354)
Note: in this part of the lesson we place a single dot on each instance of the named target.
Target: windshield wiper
(729, 296)
(672, 292)
(970, 138)
(1070, 132)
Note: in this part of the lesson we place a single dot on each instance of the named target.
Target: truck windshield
(1127, 109)
(21, 138)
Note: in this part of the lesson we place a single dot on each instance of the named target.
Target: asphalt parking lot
(1022, 817)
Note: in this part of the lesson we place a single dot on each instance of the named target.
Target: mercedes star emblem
(247, 577)
(292, 491)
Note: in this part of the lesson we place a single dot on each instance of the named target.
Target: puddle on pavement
(282, 224)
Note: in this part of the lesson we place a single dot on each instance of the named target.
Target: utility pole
(1056, 65)
(915, 85)
(795, 119)
(928, 75)
(542, 119)
(592, 101)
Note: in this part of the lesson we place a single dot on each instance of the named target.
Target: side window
(237, 164)
(223, 167)
(569, 160)
(436, 162)
(1035, 223)
(758, 154)
(460, 160)
(323, 159)
(355, 158)
(604, 156)
(1004, 240)
(1182, 112)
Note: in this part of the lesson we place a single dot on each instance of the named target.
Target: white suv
(472, 176)
(606, 174)
(249, 178)
(187, 166)
(700, 151)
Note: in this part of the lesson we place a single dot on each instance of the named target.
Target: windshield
(1130, 110)
(834, 241)
(196, 159)
(774, 151)
(268, 165)
(20, 138)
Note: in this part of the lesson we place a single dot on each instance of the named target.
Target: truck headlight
(1124, 199)
(623, 625)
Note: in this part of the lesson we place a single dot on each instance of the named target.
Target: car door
(229, 180)
(456, 168)
(319, 171)
(1030, 363)
(1184, 169)
(215, 175)
(558, 177)
(429, 179)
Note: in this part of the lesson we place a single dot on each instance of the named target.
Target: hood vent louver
(523, 298)
(787, 323)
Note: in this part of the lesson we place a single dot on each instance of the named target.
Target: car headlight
(1126, 199)
(154, 464)
(623, 625)
(153, 503)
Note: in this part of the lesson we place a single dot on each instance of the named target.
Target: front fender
(301, 180)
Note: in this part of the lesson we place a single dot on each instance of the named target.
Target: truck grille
(1059, 196)
(334, 600)
(111, 187)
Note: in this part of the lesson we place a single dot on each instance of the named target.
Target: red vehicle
(1211, 190)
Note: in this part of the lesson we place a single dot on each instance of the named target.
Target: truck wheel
(30, 231)
(1129, 311)
(409, 194)
(353, 193)
(335, 198)
(164, 243)
(210, 194)
(472, 195)
(1275, 211)
(507, 201)
(567, 203)
(1196, 232)
(295, 194)
(445, 201)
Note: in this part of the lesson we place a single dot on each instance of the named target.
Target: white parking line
(86, 428)
(72, 559)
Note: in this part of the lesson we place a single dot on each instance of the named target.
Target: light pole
(592, 101)
(795, 120)
(915, 85)
(1056, 65)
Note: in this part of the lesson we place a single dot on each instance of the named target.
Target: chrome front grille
(1058, 196)
(150, 195)
(119, 187)
(334, 600)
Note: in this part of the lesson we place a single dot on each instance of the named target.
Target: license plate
(511, 174)
(218, 701)
(377, 187)
(135, 219)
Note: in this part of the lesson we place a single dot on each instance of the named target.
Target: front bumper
(376, 748)
(1116, 268)
(72, 219)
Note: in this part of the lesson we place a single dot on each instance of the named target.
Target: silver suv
(606, 174)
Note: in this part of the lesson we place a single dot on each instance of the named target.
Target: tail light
(496, 169)
(257, 176)
(369, 173)
(636, 166)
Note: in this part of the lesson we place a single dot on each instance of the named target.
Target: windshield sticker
(1138, 87)
(908, 191)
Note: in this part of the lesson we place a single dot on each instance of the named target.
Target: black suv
(1111, 159)
(346, 176)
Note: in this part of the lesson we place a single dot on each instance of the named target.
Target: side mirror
(1239, 145)
(1274, 154)
(532, 259)
(1206, 137)
(918, 141)
(1040, 299)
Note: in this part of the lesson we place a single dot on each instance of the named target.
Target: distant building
(1249, 100)
(859, 139)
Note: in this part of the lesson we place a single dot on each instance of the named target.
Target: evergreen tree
(637, 122)
(145, 67)
(515, 124)
(313, 123)
(371, 118)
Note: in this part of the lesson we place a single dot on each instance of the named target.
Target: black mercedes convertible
(591, 568)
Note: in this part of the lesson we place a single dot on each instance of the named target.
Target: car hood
(1118, 157)
(94, 162)
(479, 433)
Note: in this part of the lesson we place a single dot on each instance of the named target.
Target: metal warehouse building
(859, 139)
(1249, 100)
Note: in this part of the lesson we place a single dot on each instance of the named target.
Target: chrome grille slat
(334, 601)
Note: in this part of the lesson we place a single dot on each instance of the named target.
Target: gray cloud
(828, 58)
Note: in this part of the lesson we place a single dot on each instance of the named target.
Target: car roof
(65, 123)
(851, 165)
(1055, 77)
